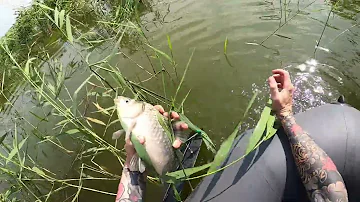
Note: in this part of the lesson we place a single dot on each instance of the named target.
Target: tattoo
(131, 187)
(318, 173)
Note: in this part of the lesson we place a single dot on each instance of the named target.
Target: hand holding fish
(145, 126)
(178, 126)
(142, 120)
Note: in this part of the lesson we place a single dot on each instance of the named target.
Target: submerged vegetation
(59, 125)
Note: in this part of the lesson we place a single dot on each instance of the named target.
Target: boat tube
(269, 172)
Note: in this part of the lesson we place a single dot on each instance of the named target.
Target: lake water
(221, 88)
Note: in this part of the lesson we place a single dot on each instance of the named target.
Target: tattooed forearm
(318, 173)
(131, 187)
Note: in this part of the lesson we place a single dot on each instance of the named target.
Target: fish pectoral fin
(136, 164)
(116, 135)
(142, 166)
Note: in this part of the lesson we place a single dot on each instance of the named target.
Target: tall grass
(28, 179)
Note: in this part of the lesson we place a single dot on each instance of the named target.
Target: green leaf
(176, 193)
(165, 126)
(61, 18)
(225, 52)
(39, 117)
(56, 16)
(270, 127)
(44, 6)
(182, 174)
(102, 110)
(95, 121)
(113, 122)
(27, 66)
(183, 76)
(75, 95)
(38, 171)
(259, 129)
(15, 150)
(65, 121)
(72, 131)
(209, 144)
(181, 106)
(225, 147)
(51, 88)
(92, 150)
(41, 87)
(225, 45)
(68, 29)
(161, 53)
(169, 42)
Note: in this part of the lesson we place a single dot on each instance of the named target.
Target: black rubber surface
(269, 173)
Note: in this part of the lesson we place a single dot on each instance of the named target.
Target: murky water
(220, 88)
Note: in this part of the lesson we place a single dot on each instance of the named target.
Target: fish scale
(157, 143)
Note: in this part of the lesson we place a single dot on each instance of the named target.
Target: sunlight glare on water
(310, 89)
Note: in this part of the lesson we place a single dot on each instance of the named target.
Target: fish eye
(126, 101)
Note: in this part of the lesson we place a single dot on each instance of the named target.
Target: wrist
(287, 120)
(284, 113)
(127, 162)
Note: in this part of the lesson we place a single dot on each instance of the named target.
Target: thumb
(274, 90)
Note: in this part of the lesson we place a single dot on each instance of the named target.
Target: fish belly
(157, 144)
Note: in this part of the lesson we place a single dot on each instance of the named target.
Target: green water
(220, 88)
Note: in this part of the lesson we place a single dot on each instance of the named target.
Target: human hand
(281, 91)
(178, 127)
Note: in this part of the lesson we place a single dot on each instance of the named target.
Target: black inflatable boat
(269, 173)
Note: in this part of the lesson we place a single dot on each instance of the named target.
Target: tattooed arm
(132, 183)
(131, 187)
(318, 173)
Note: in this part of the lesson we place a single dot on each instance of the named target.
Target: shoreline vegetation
(90, 34)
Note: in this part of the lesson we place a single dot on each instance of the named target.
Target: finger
(286, 77)
(129, 149)
(128, 141)
(160, 108)
(177, 143)
(180, 126)
(141, 139)
(184, 126)
(166, 114)
(274, 91)
(175, 116)
(278, 78)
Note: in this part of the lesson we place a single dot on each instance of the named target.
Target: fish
(141, 120)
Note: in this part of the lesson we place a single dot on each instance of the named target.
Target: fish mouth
(117, 99)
